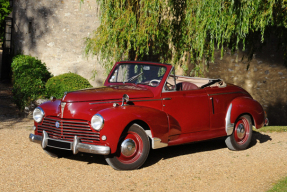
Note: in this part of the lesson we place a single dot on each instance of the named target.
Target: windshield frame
(125, 82)
(174, 78)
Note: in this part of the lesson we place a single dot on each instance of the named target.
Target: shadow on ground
(174, 151)
(9, 113)
(7, 107)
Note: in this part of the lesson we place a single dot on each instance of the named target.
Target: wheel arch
(155, 142)
(119, 119)
(241, 106)
(251, 117)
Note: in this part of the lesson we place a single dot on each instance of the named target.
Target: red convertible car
(144, 105)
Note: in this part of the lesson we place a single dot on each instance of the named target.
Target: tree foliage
(183, 31)
(4, 12)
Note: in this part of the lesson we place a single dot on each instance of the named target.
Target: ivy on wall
(5, 10)
(183, 31)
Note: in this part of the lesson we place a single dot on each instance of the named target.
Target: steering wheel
(154, 81)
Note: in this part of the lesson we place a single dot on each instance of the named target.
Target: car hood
(107, 93)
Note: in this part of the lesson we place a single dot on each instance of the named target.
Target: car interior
(184, 83)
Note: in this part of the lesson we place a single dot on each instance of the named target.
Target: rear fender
(117, 119)
(240, 106)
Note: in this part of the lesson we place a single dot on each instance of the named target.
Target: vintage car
(144, 105)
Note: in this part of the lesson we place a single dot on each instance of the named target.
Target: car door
(188, 111)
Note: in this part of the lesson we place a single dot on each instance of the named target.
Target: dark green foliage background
(184, 32)
(29, 79)
(4, 11)
(58, 85)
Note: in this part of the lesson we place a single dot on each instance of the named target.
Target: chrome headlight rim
(97, 122)
(38, 117)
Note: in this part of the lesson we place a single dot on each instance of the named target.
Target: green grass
(280, 186)
(271, 129)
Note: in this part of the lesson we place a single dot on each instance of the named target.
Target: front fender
(116, 119)
(240, 106)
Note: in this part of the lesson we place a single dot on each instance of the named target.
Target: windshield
(138, 73)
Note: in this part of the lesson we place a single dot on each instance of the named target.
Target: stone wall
(54, 32)
(265, 80)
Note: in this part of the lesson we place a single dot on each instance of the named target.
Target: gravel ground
(203, 166)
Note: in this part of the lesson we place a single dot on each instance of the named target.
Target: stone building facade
(54, 32)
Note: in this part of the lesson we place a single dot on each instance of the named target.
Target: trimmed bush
(29, 78)
(58, 85)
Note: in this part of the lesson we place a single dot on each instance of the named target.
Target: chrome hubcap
(128, 147)
(240, 131)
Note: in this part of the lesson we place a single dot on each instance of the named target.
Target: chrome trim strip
(63, 104)
(145, 100)
(76, 146)
(156, 143)
(105, 102)
(227, 93)
(139, 100)
(228, 125)
(212, 104)
(65, 121)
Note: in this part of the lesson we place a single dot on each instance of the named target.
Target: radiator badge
(57, 124)
(63, 104)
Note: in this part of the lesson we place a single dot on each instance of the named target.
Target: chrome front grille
(67, 129)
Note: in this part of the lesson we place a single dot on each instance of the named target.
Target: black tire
(133, 150)
(242, 134)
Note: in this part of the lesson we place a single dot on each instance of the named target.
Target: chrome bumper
(76, 145)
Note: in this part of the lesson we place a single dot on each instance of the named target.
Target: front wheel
(242, 134)
(133, 150)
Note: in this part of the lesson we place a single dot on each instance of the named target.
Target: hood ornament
(125, 99)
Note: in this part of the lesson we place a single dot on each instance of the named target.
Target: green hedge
(58, 85)
(29, 78)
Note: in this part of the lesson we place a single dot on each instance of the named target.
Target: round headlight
(38, 114)
(97, 122)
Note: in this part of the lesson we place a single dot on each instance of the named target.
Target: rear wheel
(133, 150)
(242, 134)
